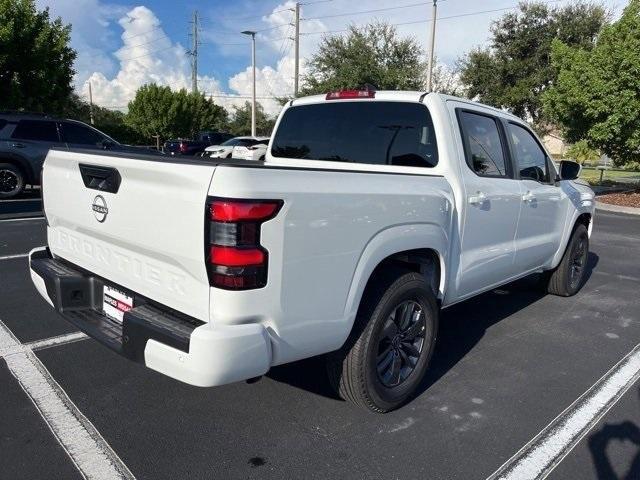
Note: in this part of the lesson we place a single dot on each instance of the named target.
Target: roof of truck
(398, 95)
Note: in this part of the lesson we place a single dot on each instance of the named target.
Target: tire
(360, 371)
(568, 277)
(11, 181)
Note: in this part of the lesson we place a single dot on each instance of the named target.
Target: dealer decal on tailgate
(115, 303)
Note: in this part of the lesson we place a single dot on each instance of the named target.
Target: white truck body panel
(338, 222)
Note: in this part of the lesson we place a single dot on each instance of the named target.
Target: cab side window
(530, 158)
(483, 145)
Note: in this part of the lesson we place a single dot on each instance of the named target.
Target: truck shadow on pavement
(461, 328)
(615, 434)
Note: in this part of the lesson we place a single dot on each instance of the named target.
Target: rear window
(381, 133)
(36, 130)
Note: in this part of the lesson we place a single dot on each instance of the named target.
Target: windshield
(383, 133)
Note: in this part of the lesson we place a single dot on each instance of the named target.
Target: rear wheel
(11, 180)
(568, 277)
(388, 351)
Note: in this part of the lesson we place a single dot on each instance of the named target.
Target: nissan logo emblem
(99, 208)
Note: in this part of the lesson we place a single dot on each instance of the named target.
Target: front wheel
(569, 276)
(388, 352)
(11, 181)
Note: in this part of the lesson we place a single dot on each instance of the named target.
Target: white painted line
(90, 453)
(19, 255)
(21, 219)
(545, 451)
(55, 341)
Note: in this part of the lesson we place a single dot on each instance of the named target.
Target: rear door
(544, 204)
(492, 204)
(33, 139)
(137, 221)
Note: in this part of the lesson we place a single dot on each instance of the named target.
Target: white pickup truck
(371, 212)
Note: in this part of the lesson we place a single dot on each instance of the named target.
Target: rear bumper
(176, 345)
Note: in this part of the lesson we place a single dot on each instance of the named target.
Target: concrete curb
(617, 208)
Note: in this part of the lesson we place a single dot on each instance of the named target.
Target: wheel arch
(421, 248)
(579, 218)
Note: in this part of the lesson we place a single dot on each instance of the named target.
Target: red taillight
(235, 258)
(183, 147)
(231, 211)
(351, 94)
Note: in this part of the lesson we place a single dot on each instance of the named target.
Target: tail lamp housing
(234, 256)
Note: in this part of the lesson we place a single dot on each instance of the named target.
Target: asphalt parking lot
(507, 364)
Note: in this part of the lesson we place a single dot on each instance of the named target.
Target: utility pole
(434, 12)
(253, 67)
(90, 104)
(296, 40)
(194, 53)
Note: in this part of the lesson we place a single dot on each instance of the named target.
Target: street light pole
(434, 12)
(253, 67)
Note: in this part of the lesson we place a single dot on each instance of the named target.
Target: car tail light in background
(183, 147)
(235, 258)
(351, 94)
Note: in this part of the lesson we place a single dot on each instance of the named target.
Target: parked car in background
(372, 212)
(25, 139)
(225, 149)
(257, 151)
(183, 146)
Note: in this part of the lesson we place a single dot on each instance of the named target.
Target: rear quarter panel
(333, 229)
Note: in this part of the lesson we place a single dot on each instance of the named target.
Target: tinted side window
(36, 130)
(530, 157)
(79, 134)
(483, 146)
(383, 133)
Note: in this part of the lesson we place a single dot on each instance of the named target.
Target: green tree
(373, 54)
(240, 123)
(158, 110)
(36, 62)
(516, 68)
(597, 94)
(111, 122)
(581, 152)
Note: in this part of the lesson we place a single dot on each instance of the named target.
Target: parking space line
(55, 341)
(545, 451)
(10, 257)
(88, 450)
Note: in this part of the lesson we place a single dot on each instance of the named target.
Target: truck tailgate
(147, 237)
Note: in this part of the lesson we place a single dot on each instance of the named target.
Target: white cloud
(147, 56)
(278, 81)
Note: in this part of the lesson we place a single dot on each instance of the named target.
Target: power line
(143, 33)
(439, 18)
(360, 12)
(147, 54)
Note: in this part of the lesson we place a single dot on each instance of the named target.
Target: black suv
(26, 138)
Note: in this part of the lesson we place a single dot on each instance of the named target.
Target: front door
(543, 203)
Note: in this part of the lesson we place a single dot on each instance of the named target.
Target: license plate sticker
(115, 303)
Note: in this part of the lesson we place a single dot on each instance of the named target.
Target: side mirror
(569, 170)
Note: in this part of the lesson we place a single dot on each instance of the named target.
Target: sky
(122, 45)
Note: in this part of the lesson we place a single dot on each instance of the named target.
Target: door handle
(528, 197)
(478, 198)
(18, 145)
